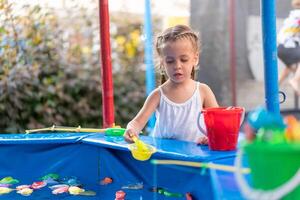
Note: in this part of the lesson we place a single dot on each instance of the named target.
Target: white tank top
(178, 120)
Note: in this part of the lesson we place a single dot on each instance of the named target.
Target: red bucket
(222, 127)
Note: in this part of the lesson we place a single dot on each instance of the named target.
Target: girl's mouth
(177, 75)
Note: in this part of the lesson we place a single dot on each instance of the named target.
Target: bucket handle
(199, 125)
(228, 108)
(251, 193)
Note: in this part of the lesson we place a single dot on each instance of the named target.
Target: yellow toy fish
(25, 191)
(74, 190)
(5, 190)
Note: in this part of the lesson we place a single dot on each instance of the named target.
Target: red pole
(106, 68)
(232, 50)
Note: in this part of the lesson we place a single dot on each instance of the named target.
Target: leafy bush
(49, 75)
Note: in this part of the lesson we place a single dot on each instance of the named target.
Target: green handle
(115, 131)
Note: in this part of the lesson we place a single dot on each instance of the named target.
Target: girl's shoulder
(155, 94)
(207, 95)
(203, 87)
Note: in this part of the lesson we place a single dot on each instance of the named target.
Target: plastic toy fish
(88, 193)
(38, 185)
(166, 193)
(9, 180)
(74, 190)
(188, 196)
(60, 190)
(25, 191)
(53, 187)
(50, 181)
(136, 186)
(72, 181)
(5, 185)
(106, 181)
(5, 190)
(50, 176)
(120, 195)
(21, 187)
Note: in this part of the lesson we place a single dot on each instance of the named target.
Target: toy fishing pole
(226, 168)
(114, 131)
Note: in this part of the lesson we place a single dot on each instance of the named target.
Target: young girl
(179, 99)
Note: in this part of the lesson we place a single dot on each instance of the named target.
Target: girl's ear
(161, 62)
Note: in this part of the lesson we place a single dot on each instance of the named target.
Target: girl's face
(178, 59)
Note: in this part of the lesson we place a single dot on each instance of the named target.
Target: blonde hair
(176, 33)
(296, 3)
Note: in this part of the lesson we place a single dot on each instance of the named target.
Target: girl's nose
(177, 65)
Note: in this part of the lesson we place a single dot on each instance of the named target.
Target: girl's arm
(135, 126)
(208, 97)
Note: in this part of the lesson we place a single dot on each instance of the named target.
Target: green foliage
(47, 78)
(129, 79)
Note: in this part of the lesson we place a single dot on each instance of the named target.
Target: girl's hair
(173, 34)
(296, 3)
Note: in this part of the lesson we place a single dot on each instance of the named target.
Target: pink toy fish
(53, 187)
(38, 185)
(120, 195)
(60, 190)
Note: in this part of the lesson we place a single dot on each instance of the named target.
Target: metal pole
(106, 68)
(268, 17)
(232, 51)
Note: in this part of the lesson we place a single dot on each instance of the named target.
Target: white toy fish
(25, 191)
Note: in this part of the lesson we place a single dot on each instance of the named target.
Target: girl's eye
(169, 61)
(184, 60)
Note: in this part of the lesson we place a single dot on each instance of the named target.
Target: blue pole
(268, 16)
(150, 76)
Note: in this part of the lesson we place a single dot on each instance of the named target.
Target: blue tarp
(92, 156)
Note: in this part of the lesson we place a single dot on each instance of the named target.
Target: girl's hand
(129, 133)
(203, 140)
